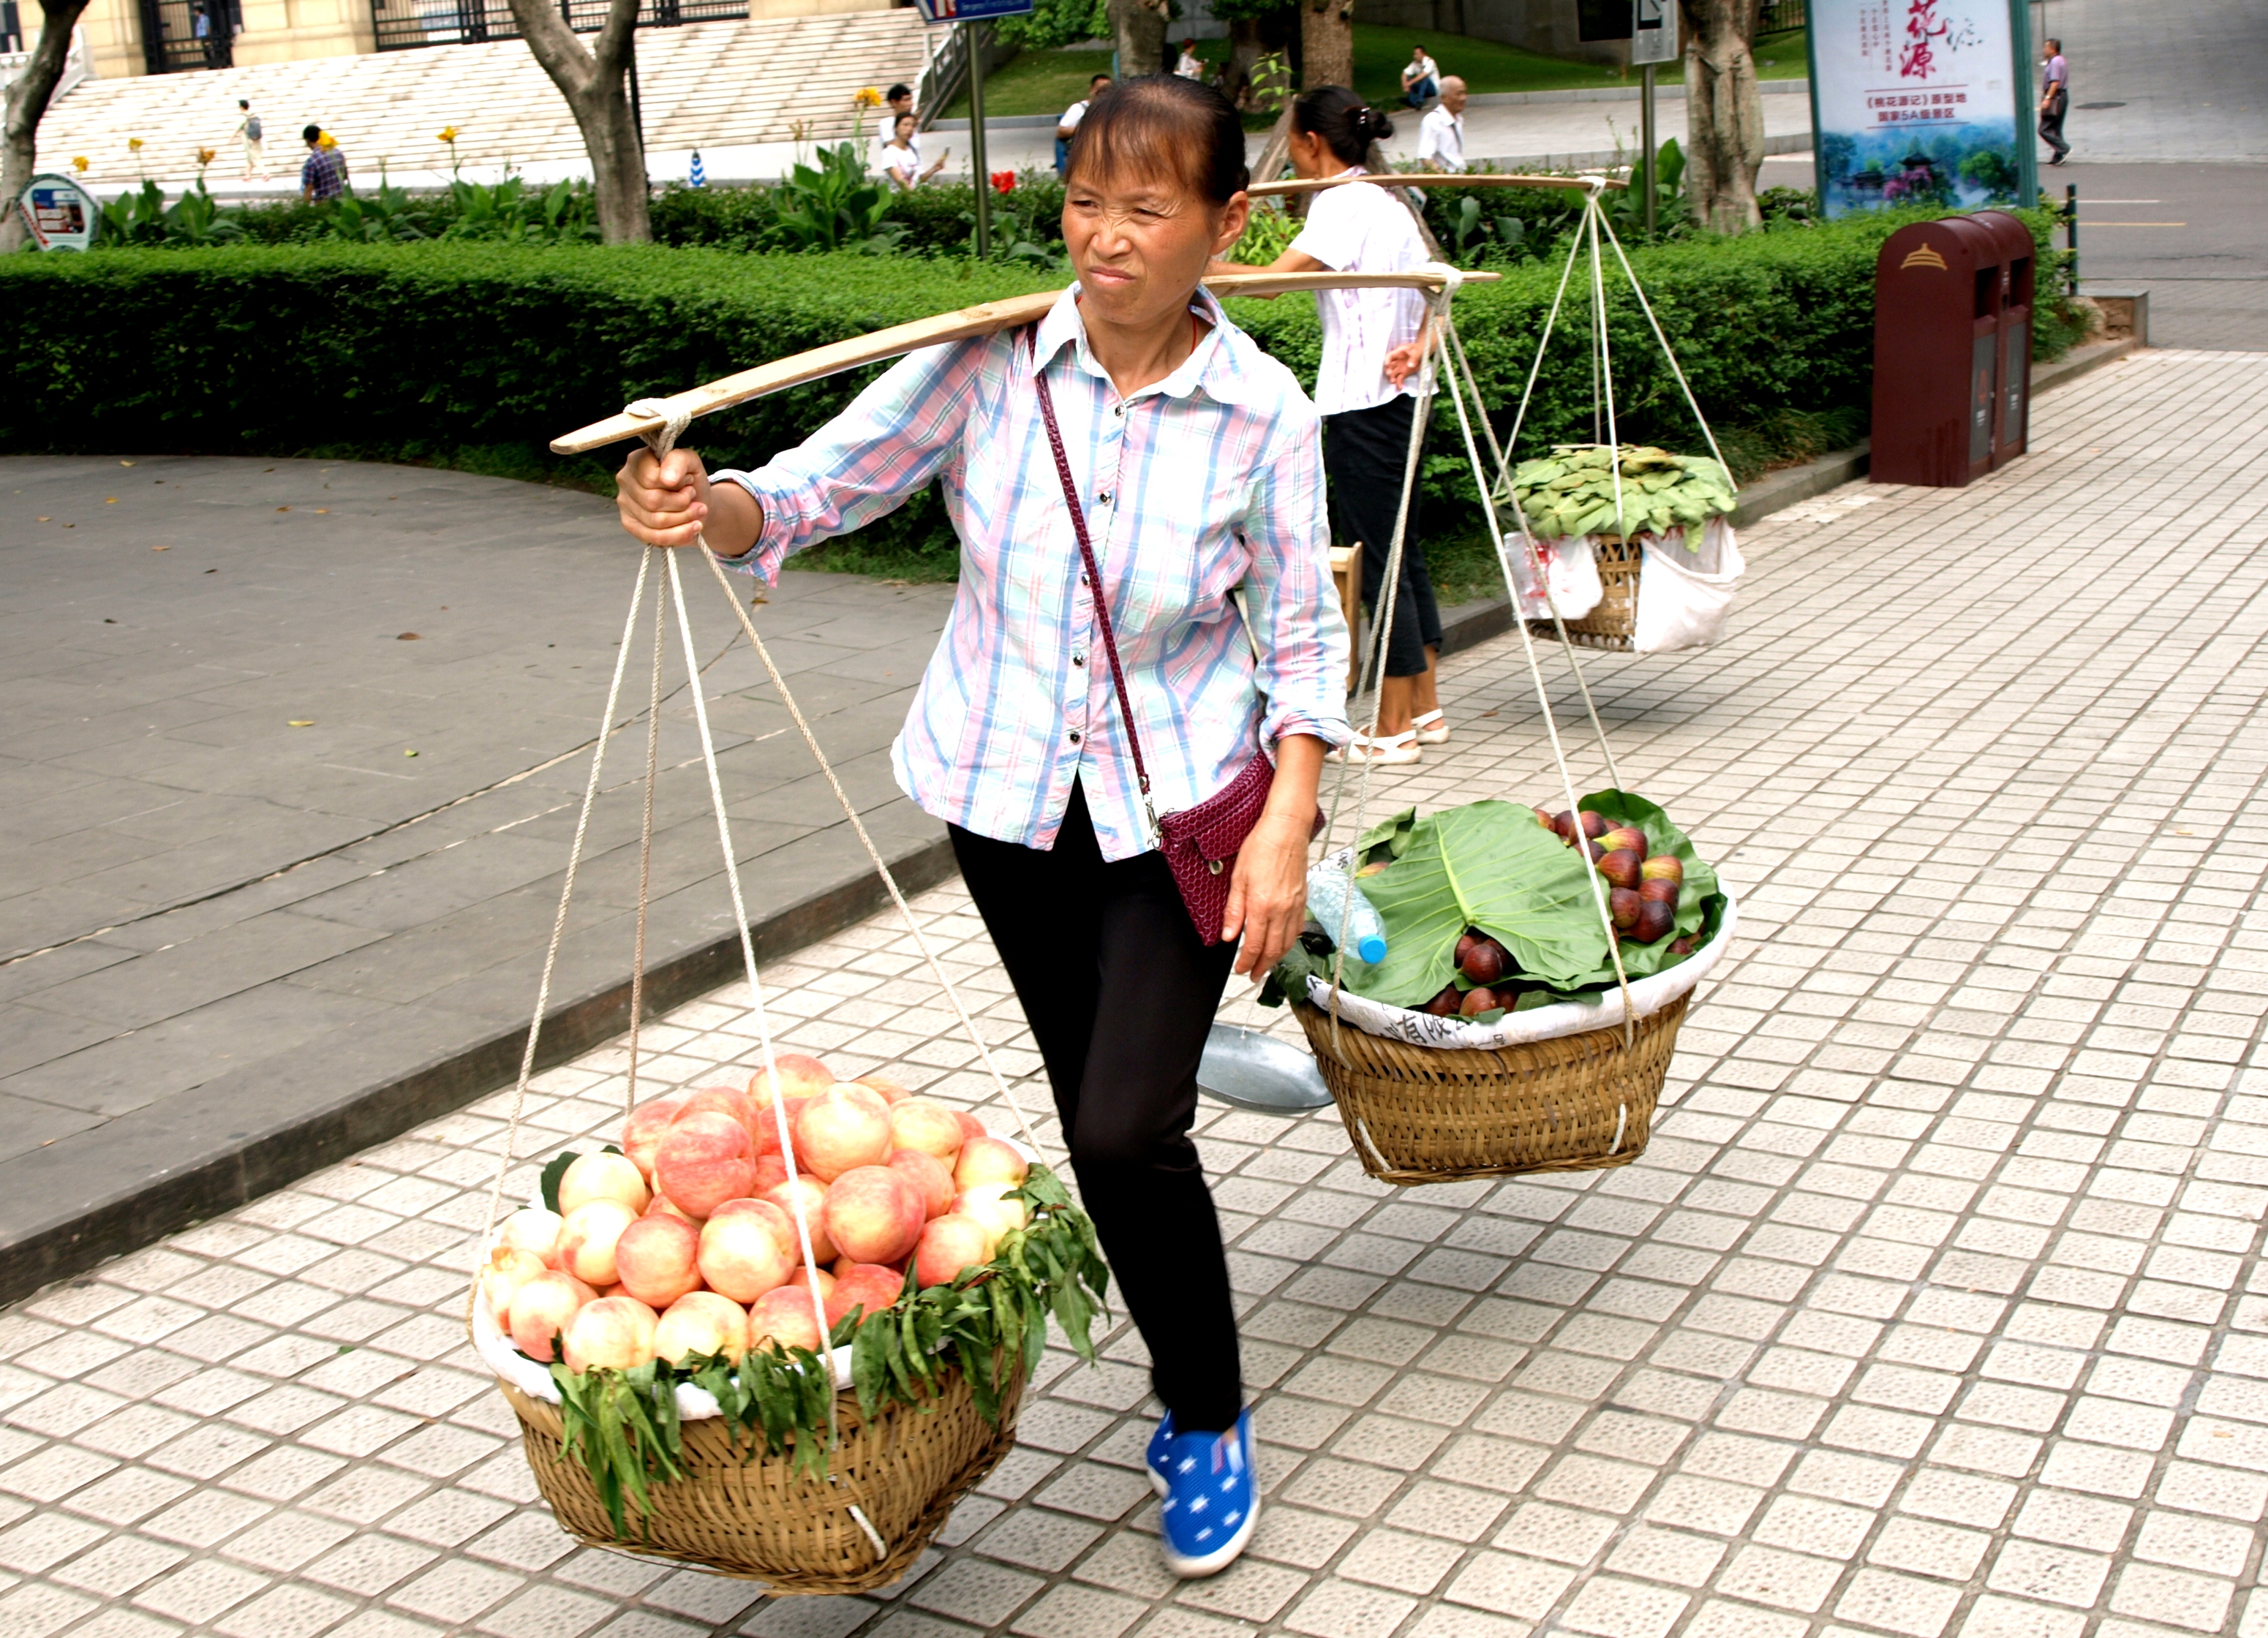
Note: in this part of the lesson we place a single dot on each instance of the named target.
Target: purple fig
(1544, 818)
(1443, 1005)
(1660, 890)
(1477, 1001)
(1563, 825)
(1594, 825)
(1666, 867)
(1465, 942)
(1623, 836)
(1655, 922)
(1486, 962)
(1624, 905)
(1596, 851)
(1684, 947)
(1620, 867)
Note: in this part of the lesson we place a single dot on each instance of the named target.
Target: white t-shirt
(1360, 227)
(906, 161)
(1441, 135)
(885, 127)
(1422, 67)
(1072, 116)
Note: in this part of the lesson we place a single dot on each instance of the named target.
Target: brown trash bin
(1953, 349)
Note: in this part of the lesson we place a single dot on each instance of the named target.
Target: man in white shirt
(900, 99)
(1441, 134)
(1421, 78)
(1071, 116)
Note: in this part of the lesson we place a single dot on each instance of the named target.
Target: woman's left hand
(1402, 361)
(1268, 894)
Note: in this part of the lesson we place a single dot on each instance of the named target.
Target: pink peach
(812, 1193)
(586, 1242)
(993, 1205)
(543, 1309)
(615, 1331)
(948, 1246)
(507, 1270)
(770, 1172)
(602, 1177)
(889, 1091)
(748, 1248)
(642, 1131)
(722, 1101)
(868, 1286)
(873, 1213)
(970, 1126)
(662, 1206)
(658, 1259)
(987, 1160)
(800, 1075)
(704, 1160)
(839, 1133)
(534, 1229)
(931, 1127)
(702, 1322)
(802, 1278)
(784, 1316)
(931, 1180)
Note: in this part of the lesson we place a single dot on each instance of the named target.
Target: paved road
(1935, 1309)
(2175, 80)
(2195, 235)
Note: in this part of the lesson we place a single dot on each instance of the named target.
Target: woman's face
(904, 128)
(1139, 243)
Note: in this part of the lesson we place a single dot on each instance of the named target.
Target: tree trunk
(594, 82)
(1724, 115)
(28, 94)
(1326, 43)
(1243, 52)
(1138, 27)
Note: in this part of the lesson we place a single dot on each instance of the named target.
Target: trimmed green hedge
(475, 355)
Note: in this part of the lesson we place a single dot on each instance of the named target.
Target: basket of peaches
(778, 1331)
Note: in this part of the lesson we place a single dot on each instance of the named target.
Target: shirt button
(1118, 409)
(1078, 660)
(1074, 735)
(1103, 495)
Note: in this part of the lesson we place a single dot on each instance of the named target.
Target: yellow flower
(868, 97)
(79, 162)
(327, 141)
(204, 156)
(134, 145)
(448, 134)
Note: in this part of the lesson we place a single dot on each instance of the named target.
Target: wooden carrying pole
(981, 319)
(1422, 178)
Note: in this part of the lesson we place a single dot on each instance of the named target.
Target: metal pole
(1646, 144)
(976, 54)
(637, 108)
(2071, 231)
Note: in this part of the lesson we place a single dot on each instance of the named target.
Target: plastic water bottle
(1333, 902)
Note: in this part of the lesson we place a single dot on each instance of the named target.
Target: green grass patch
(1037, 82)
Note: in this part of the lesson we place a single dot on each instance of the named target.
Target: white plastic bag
(1571, 571)
(1682, 596)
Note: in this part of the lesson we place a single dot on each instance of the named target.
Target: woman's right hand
(663, 502)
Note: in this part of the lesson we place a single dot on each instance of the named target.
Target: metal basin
(1253, 1070)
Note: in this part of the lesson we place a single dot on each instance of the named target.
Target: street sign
(971, 10)
(61, 214)
(1653, 32)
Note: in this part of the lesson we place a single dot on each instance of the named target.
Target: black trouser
(1365, 454)
(1119, 993)
(2051, 127)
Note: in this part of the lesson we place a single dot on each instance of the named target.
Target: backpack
(251, 128)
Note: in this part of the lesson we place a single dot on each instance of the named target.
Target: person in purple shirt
(2055, 97)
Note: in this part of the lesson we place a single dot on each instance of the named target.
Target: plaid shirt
(1207, 482)
(325, 172)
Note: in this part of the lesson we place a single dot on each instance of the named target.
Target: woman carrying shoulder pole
(1373, 340)
(1197, 466)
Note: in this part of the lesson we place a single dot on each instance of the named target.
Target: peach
(658, 1259)
(507, 1270)
(702, 1322)
(838, 1132)
(586, 1244)
(873, 1213)
(543, 1310)
(862, 1095)
(814, 1196)
(802, 1279)
(662, 1206)
(602, 1177)
(770, 1172)
(748, 1249)
(800, 1075)
(993, 1205)
(617, 1331)
(704, 1160)
(887, 1090)
(931, 1180)
(785, 1316)
(931, 1127)
(534, 1229)
(987, 1160)
(970, 1126)
(722, 1101)
(642, 1132)
(868, 1286)
(948, 1246)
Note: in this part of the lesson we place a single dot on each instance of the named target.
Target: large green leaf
(1619, 807)
(1490, 865)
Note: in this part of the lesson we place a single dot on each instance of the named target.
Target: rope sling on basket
(1565, 1087)
(814, 1470)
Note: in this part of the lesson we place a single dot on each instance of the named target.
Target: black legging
(1365, 452)
(1120, 995)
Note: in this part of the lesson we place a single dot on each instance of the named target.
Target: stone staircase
(705, 85)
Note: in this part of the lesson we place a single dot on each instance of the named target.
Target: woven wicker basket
(1613, 624)
(1432, 1114)
(750, 1517)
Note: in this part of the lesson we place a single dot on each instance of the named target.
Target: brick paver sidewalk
(1933, 1309)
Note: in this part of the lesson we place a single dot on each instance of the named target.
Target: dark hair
(2054, 44)
(242, 103)
(1347, 124)
(897, 91)
(311, 134)
(1092, 80)
(1165, 126)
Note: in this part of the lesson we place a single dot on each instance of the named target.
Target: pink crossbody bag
(1200, 843)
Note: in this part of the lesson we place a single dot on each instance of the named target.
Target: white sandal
(1388, 751)
(1430, 729)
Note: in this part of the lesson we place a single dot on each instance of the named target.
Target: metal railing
(179, 36)
(945, 75)
(78, 63)
(405, 25)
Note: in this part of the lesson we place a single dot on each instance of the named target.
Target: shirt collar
(1214, 366)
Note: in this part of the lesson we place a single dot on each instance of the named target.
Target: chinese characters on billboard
(1920, 102)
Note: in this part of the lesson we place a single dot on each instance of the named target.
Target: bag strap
(1093, 573)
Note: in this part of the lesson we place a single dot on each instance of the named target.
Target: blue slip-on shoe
(1160, 1442)
(1212, 1499)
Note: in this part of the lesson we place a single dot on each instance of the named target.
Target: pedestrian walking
(2054, 99)
(248, 132)
(1071, 116)
(1189, 65)
(324, 175)
(1421, 79)
(1194, 460)
(1441, 134)
(1373, 340)
(901, 162)
(899, 101)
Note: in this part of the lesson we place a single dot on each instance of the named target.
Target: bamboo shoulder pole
(981, 319)
(1427, 179)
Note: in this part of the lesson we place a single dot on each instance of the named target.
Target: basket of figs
(1505, 1028)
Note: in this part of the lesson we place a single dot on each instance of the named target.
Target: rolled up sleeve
(1299, 634)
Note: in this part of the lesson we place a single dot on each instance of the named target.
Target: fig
(1594, 825)
(1660, 890)
(1684, 946)
(1443, 1005)
(1564, 827)
(1596, 851)
(1486, 962)
(1477, 1001)
(1622, 905)
(1544, 818)
(1620, 867)
(1665, 867)
(1655, 922)
(1466, 941)
(1622, 836)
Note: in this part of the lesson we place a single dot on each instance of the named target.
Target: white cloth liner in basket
(523, 1373)
(1648, 996)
